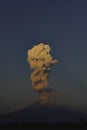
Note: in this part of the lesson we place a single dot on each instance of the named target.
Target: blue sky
(61, 24)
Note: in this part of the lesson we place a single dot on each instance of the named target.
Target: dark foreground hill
(37, 113)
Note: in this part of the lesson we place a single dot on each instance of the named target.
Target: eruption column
(40, 60)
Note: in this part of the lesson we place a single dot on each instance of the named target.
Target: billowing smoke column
(40, 61)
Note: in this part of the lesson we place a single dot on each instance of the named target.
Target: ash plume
(40, 60)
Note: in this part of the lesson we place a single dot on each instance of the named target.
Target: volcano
(47, 113)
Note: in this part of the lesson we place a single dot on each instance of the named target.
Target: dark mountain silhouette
(48, 113)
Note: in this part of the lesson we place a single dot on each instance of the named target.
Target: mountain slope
(37, 113)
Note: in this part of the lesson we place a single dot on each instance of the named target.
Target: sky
(60, 23)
